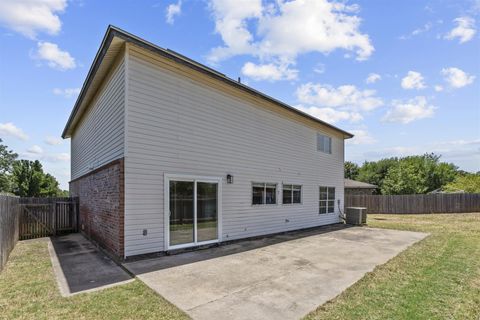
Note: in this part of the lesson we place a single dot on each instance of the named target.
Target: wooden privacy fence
(9, 213)
(43, 217)
(417, 203)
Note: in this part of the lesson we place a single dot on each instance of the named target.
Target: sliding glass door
(193, 212)
(181, 212)
(207, 211)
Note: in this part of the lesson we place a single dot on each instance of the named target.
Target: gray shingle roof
(349, 183)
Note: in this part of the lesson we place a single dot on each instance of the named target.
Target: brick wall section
(102, 198)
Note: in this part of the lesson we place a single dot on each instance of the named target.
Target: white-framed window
(291, 194)
(324, 143)
(264, 193)
(326, 200)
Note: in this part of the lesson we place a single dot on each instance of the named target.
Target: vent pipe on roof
(239, 80)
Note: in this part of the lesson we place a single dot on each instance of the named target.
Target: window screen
(324, 143)
(264, 193)
(291, 194)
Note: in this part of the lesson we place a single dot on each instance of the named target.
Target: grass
(437, 278)
(28, 291)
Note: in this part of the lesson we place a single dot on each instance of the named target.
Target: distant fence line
(9, 221)
(416, 203)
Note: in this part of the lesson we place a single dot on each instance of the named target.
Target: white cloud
(271, 71)
(173, 10)
(361, 137)
(319, 68)
(464, 153)
(460, 142)
(67, 92)
(35, 149)
(285, 29)
(413, 80)
(408, 111)
(57, 157)
(9, 129)
(347, 96)
(373, 77)
(397, 151)
(29, 17)
(55, 57)
(37, 153)
(464, 31)
(331, 115)
(457, 78)
(53, 141)
(438, 88)
(426, 27)
(423, 29)
(231, 24)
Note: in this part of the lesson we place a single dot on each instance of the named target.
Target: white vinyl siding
(99, 137)
(179, 125)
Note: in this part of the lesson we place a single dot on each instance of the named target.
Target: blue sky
(404, 76)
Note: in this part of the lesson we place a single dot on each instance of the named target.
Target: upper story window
(291, 194)
(324, 143)
(264, 193)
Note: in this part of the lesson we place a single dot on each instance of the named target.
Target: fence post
(54, 217)
(9, 212)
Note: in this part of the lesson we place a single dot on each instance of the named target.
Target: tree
(351, 170)
(469, 183)
(374, 172)
(49, 186)
(418, 175)
(29, 180)
(7, 158)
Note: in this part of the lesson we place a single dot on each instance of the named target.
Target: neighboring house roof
(349, 183)
(111, 46)
(440, 190)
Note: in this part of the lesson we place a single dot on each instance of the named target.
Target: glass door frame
(166, 200)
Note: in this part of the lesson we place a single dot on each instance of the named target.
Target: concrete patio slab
(280, 277)
(80, 267)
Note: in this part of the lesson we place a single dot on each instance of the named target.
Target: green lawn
(437, 278)
(28, 291)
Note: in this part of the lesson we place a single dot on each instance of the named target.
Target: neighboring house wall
(99, 137)
(97, 151)
(182, 122)
(101, 196)
(358, 191)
